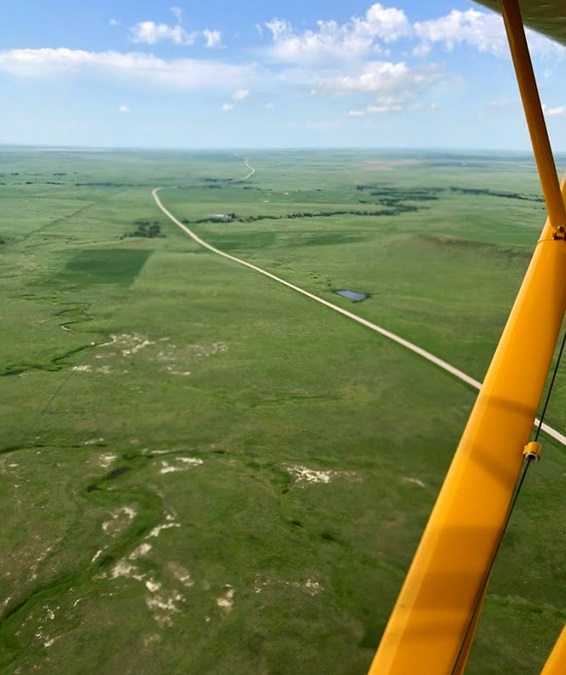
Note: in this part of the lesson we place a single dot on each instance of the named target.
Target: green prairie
(204, 472)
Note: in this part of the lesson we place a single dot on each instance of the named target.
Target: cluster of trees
(395, 210)
(496, 193)
(145, 229)
(217, 218)
(44, 182)
(111, 184)
(328, 214)
(391, 196)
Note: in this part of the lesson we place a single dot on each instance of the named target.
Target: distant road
(247, 163)
(250, 167)
(354, 317)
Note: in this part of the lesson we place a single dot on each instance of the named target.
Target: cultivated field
(202, 471)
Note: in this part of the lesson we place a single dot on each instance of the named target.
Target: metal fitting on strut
(532, 450)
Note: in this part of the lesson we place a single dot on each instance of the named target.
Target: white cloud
(483, 31)
(386, 86)
(150, 33)
(352, 40)
(138, 68)
(388, 24)
(382, 77)
(270, 105)
(124, 109)
(177, 13)
(422, 50)
(361, 38)
(213, 38)
(238, 96)
(388, 104)
(241, 95)
(114, 22)
(559, 111)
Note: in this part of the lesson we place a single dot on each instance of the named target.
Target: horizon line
(432, 149)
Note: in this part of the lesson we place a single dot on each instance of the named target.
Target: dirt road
(354, 317)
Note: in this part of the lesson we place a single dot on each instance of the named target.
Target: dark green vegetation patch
(105, 266)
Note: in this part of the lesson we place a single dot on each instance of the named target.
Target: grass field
(203, 472)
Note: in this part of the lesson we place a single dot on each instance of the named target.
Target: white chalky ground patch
(107, 459)
(140, 551)
(181, 574)
(193, 461)
(152, 585)
(151, 639)
(177, 359)
(226, 601)
(94, 441)
(105, 370)
(47, 641)
(310, 586)
(414, 481)
(4, 603)
(164, 605)
(123, 568)
(127, 344)
(174, 371)
(139, 344)
(40, 558)
(120, 519)
(169, 522)
(167, 468)
(161, 602)
(181, 464)
(306, 475)
(41, 633)
(97, 555)
(303, 474)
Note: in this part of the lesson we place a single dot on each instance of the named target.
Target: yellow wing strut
(533, 113)
(556, 664)
(431, 628)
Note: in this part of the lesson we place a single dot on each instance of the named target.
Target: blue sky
(249, 74)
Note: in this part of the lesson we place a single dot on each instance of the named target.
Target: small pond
(352, 295)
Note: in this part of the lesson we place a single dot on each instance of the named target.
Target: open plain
(202, 471)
